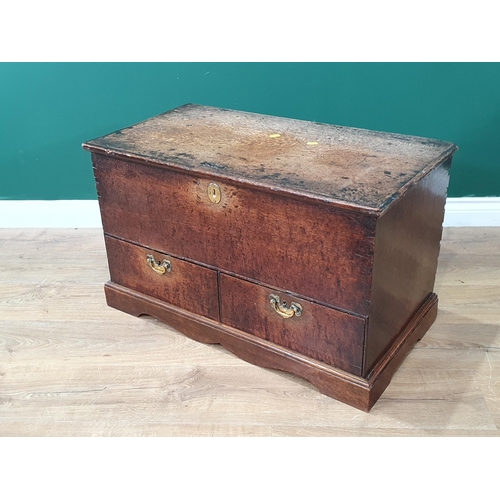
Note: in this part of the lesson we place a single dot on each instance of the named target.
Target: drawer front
(177, 282)
(319, 332)
(318, 252)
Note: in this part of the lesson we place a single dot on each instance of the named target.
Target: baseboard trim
(459, 212)
(476, 211)
(49, 214)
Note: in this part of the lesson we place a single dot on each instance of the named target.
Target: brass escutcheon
(160, 267)
(281, 308)
(214, 192)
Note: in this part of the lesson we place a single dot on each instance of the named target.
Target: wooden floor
(71, 366)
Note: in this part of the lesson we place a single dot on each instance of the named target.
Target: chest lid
(341, 165)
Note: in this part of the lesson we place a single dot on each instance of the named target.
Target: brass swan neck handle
(160, 267)
(282, 309)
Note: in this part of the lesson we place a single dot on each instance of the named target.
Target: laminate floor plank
(72, 366)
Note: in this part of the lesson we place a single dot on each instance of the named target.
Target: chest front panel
(311, 250)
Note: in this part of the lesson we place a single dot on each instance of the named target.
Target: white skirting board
(49, 214)
(85, 213)
(476, 212)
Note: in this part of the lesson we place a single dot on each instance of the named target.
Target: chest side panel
(406, 255)
(310, 249)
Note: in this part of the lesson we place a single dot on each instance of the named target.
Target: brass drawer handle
(160, 267)
(281, 308)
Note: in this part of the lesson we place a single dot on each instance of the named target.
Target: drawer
(316, 250)
(183, 284)
(319, 332)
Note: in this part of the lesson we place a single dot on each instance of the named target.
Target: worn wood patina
(337, 164)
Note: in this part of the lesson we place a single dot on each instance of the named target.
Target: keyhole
(214, 192)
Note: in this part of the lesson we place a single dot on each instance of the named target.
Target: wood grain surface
(321, 333)
(185, 285)
(406, 251)
(340, 165)
(72, 366)
(261, 236)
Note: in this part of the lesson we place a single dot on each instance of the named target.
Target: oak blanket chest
(299, 246)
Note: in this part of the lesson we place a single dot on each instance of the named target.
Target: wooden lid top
(342, 165)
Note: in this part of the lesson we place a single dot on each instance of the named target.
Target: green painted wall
(48, 109)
